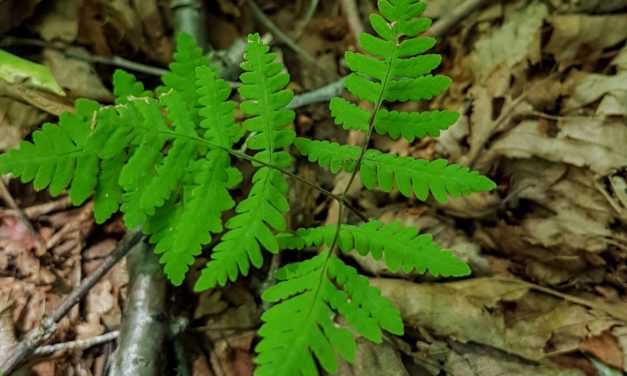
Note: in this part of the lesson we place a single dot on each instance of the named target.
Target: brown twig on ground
(10, 201)
(302, 25)
(445, 24)
(47, 102)
(77, 344)
(617, 314)
(281, 36)
(143, 329)
(352, 16)
(48, 326)
(112, 60)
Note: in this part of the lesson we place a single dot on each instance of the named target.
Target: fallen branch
(78, 344)
(144, 328)
(268, 24)
(445, 24)
(323, 94)
(48, 326)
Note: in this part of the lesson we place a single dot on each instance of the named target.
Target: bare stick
(143, 332)
(78, 344)
(352, 15)
(323, 94)
(267, 22)
(49, 324)
(445, 24)
(311, 10)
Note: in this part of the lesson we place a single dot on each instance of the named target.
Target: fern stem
(292, 175)
(364, 147)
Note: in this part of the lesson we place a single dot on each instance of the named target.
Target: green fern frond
(301, 327)
(206, 197)
(182, 75)
(396, 69)
(57, 156)
(126, 86)
(402, 248)
(261, 213)
(411, 176)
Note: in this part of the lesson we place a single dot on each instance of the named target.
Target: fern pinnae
(207, 195)
(261, 212)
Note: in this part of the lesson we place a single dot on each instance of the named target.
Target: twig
(302, 26)
(113, 60)
(189, 17)
(352, 15)
(445, 25)
(52, 104)
(49, 324)
(323, 94)
(267, 22)
(78, 344)
(10, 201)
(143, 329)
(617, 314)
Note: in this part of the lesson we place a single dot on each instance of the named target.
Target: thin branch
(447, 23)
(323, 94)
(78, 344)
(113, 60)
(49, 324)
(352, 15)
(605, 308)
(302, 26)
(268, 24)
(143, 330)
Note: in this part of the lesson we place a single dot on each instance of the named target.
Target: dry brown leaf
(509, 45)
(580, 141)
(60, 22)
(530, 325)
(578, 37)
(77, 77)
(14, 12)
(590, 87)
(16, 121)
(373, 360)
(465, 362)
(604, 347)
(7, 332)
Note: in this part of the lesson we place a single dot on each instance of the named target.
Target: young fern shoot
(163, 160)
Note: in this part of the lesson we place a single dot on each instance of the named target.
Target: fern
(396, 69)
(402, 248)
(412, 176)
(301, 326)
(163, 159)
(262, 212)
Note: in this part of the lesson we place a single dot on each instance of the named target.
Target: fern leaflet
(311, 293)
(402, 248)
(261, 212)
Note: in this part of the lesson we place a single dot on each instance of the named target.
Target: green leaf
(349, 115)
(300, 326)
(412, 125)
(261, 213)
(409, 175)
(15, 70)
(402, 248)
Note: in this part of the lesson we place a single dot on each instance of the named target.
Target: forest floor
(542, 89)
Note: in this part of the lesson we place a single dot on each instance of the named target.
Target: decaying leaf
(584, 37)
(498, 313)
(579, 141)
(509, 44)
